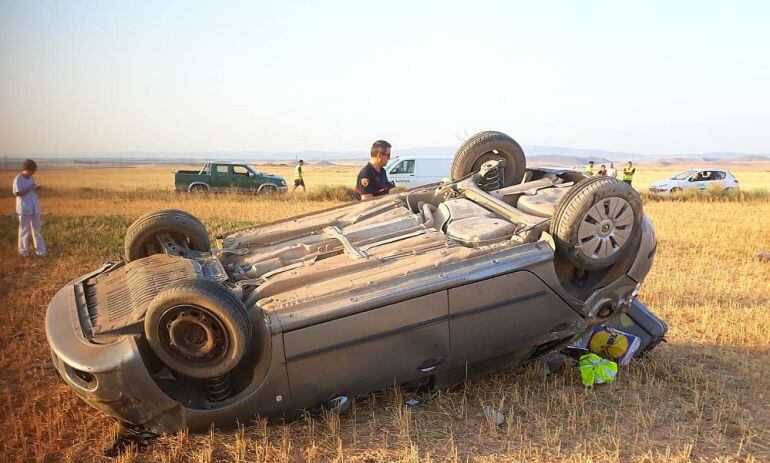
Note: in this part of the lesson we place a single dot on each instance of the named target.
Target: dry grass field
(703, 396)
(161, 177)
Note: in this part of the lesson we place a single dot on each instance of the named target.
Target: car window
(241, 170)
(403, 167)
(683, 175)
(222, 169)
(716, 175)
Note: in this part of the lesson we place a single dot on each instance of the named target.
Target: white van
(412, 171)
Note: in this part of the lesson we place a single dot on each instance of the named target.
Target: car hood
(664, 184)
(271, 177)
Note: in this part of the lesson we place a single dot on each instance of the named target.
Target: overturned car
(496, 267)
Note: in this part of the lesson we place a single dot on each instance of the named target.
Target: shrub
(716, 194)
(331, 193)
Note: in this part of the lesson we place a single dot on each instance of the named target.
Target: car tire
(198, 328)
(486, 146)
(185, 228)
(268, 190)
(597, 223)
(199, 188)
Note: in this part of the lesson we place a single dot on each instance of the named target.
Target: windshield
(391, 163)
(684, 175)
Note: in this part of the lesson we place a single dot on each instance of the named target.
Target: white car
(695, 179)
(411, 171)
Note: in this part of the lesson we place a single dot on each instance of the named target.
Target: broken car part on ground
(498, 266)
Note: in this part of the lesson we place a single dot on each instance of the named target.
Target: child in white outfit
(28, 209)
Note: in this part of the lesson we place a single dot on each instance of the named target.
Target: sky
(652, 77)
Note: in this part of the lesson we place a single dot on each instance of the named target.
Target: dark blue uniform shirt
(371, 182)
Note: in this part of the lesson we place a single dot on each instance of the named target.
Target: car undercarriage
(429, 285)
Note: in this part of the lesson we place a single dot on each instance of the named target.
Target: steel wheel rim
(193, 335)
(605, 228)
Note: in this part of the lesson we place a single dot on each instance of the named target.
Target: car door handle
(430, 364)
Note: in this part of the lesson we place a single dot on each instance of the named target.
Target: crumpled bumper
(111, 377)
(115, 377)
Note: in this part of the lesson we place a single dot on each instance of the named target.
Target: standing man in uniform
(372, 180)
(28, 208)
(589, 170)
(298, 179)
(628, 172)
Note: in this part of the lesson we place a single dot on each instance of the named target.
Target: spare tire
(598, 222)
(487, 146)
(187, 231)
(198, 328)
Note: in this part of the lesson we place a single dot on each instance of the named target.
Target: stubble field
(703, 396)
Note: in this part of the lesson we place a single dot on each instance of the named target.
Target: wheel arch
(267, 185)
(189, 188)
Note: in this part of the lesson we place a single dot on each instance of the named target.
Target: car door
(244, 178)
(369, 350)
(505, 314)
(709, 179)
(221, 176)
(697, 181)
(720, 179)
(403, 173)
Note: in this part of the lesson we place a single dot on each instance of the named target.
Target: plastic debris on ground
(413, 402)
(493, 415)
(553, 363)
(596, 370)
(130, 436)
(611, 344)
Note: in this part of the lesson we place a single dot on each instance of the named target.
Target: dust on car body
(498, 266)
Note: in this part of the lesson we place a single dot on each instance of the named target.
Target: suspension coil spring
(492, 176)
(218, 388)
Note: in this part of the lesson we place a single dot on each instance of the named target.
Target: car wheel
(268, 190)
(199, 188)
(597, 222)
(488, 146)
(198, 328)
(144, 236)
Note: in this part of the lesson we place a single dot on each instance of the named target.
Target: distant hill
(751, 158)
(536, 154)
(582, 154)
(557, 160)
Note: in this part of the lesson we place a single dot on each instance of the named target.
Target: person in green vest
(589, 170)
(298, 179)
(628, 172)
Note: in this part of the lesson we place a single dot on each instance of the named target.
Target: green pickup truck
(222, 175)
